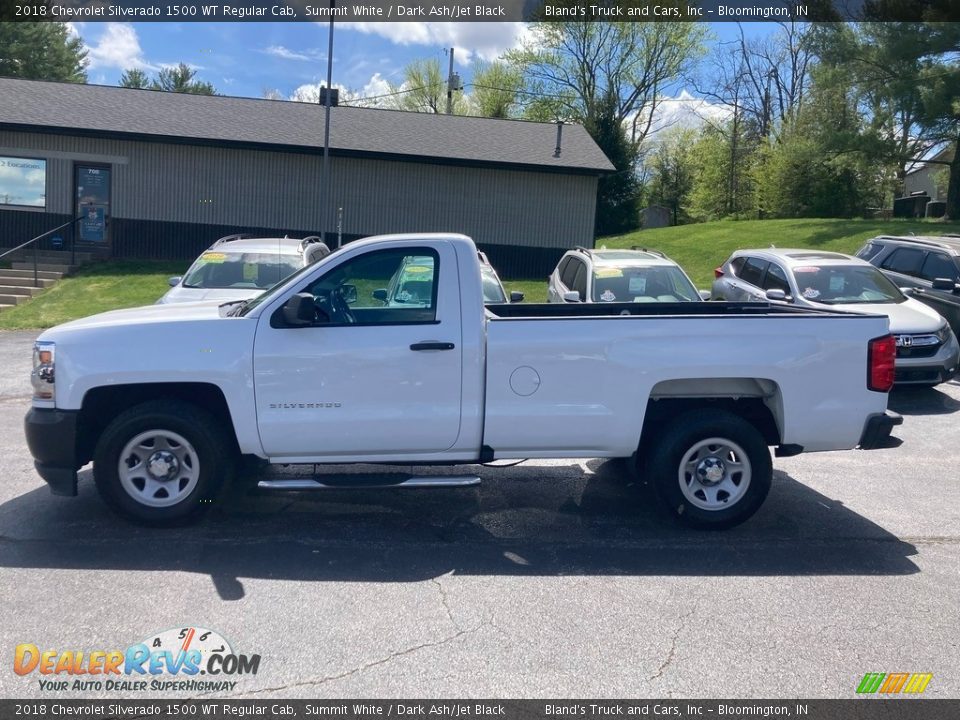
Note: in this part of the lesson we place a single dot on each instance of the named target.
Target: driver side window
(384, 287)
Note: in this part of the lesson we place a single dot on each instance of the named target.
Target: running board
(370, 482)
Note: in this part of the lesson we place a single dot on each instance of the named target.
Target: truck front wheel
(162, 462)
(711, 469)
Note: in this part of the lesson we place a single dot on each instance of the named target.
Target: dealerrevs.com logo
(188, 659)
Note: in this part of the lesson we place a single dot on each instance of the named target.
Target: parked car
(493, 290)
(928, 266)
(238, 267)
(636, 275)
(927, 349)
(698, 398)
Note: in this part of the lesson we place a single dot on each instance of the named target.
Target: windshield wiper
(239, 306)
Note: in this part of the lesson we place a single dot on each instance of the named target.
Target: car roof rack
(231, 238)
(648, 250)
(585, 251)
(929, 241)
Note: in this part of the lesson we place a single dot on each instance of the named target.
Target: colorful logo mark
(893, 683)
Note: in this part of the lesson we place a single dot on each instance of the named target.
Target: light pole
(325, 171)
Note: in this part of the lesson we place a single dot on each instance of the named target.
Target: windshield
(657, 283)
(291, 279)
(492, 289)
(216, 269)
(845, 284)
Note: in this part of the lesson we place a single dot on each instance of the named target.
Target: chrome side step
(369, 482)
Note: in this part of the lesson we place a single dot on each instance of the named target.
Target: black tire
(683, 434)
(214, 450)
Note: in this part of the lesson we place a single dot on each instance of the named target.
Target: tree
(179, 78)
(671, 168)
(424, 89)
(496, 89)
(41, 51)
(182, 79)
(617, 193)
(580, 68)
(134, 78)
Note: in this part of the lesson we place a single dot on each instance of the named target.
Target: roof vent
(556, 152)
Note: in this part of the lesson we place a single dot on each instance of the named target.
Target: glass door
(92, 184)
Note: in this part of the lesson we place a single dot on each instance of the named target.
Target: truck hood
(180, 294)
(149, 314)
(911, 316)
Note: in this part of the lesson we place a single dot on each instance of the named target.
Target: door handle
(432, 346)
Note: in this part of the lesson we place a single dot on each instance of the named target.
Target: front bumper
(939, 368)
(52, 439)
(878, 429)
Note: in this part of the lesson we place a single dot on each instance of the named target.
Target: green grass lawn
(95, 288)
(698, 248)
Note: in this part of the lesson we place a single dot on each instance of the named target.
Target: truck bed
(725, 309)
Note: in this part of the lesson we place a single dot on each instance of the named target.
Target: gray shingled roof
(98, 108)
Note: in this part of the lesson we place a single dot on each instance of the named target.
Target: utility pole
(450, 85)
(325, 172)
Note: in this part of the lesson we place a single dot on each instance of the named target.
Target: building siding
(188, 189)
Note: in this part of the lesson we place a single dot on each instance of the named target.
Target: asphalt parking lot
(553, 579)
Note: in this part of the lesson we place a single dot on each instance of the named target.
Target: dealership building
(158, 175)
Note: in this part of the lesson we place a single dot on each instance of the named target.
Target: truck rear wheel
(162, 463)
(711, 469)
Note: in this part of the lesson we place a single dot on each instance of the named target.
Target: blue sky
(248, 58)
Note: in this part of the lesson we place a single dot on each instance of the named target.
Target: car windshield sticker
(608, 272)
(214, 257)
(608, 296)
(836, 283)
(807, 269)
(250, 272)
(811, 293)
(638, 285)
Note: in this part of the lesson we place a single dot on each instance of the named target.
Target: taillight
(718, 272)
(881, 356)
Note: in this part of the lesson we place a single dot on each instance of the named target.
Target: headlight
(43, 377)
(944, 333)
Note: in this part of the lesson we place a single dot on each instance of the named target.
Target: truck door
(378, 372)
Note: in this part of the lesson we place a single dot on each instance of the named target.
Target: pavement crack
(366, 666)
(668, 660)
(444, 599)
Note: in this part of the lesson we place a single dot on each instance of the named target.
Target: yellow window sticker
(214, 257)
(608, 272)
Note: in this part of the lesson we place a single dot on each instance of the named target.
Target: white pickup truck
(383, 352)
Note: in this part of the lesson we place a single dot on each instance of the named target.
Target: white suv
(238, 267)
(637, 275)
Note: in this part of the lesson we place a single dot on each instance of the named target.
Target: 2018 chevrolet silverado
(330, 367)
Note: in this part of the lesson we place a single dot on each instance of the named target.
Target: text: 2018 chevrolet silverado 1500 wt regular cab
(383, 352)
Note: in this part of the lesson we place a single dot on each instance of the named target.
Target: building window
(23, 181)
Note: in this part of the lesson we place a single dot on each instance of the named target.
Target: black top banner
(479, 10)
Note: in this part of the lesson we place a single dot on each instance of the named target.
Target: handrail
(36, 281)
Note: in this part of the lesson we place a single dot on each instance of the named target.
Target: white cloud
(287, 54)
(685, 111)
(375, 86)
(118, 47)
(483, 40)
(74, 28)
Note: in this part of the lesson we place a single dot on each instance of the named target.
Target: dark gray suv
(928, 265)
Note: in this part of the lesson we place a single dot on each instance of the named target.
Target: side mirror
(776, 295)
(174, 281)
(348, 293)
(571, 296)
(516, 296)
(380, 295)
(300, 310)
(704, 294)
(944, 284)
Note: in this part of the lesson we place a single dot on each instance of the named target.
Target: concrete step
(20, 290)
(44, 266)
(21, 281)
(13, 299)
(64, 256)
(42, 274)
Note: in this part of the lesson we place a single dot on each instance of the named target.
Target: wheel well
(101, 405)
(662, 410)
